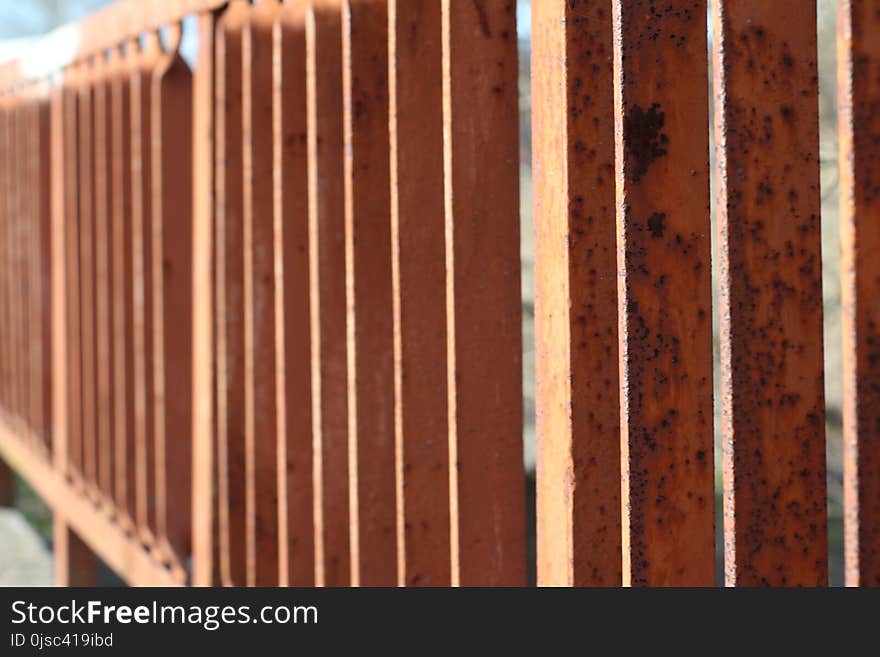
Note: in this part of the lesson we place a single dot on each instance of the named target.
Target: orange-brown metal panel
(103, 203)
(578, 410)
(858, 60)
(261, 413)
(230, 297)
(327, 294)
(205, 568)
(122, 289)
(419, 281)
(171, 270)
(293, 327)
(773, 409)
(142, 275)
(368, 294)
(664, 297)
(484, 315)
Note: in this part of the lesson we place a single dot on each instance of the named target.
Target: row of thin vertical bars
(124, 130)
(312, 186)
(366, 294)
(623, 281)
(25, 347)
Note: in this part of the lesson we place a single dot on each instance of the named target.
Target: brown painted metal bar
(36, 186)
(86, 195)
(205, 525)
(230, 297)
(483, 310)
(119, 66)
(43, 267)
(368, 292)
(664, 298)
(261, 411)
(103, 204)
(419, 280)
(327, 294)
(73, 426)
(578, 410)
(142, 262)
(858, 61)
(773, 409)
(171, 271)
(58, 268)
(293, 326)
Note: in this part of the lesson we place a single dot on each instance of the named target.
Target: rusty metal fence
(260, 316)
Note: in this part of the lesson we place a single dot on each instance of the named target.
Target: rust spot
(657, 224)
(644, 138)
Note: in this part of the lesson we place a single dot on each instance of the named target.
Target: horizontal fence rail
(260, 292)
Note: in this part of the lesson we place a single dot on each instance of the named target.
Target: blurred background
(25, 532)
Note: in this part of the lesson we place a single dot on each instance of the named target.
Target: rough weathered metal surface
(293, 325)
(773, 407)
(665, 306)
(578, 411)
(261, 403)
(229, 315)
(858, 60)
(484, 332)
(419, 281)
(368, 294)
(327, 296)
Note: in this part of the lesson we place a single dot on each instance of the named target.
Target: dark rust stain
(644, 139)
